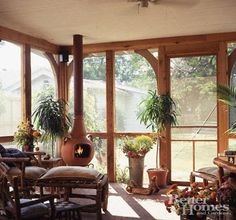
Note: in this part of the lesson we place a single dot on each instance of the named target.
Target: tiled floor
(122, 205)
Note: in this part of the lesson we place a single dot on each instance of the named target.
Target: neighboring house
(11, 115)
(127, 99)
(40, 77)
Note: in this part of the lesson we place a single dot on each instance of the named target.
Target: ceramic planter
(161, 176)
(136, 166)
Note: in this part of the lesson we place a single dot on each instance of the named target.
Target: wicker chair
(27, 168)
(19, 207)
(225, 168)
(207, 174)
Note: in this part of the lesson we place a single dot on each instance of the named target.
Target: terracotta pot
(160, 174)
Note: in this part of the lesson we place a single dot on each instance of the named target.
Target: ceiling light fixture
(144, 3)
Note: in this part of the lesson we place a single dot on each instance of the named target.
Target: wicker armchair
(27, 168)
(17, 205)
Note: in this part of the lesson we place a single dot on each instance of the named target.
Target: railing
(194, 147)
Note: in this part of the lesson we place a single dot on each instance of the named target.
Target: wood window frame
(206, 44)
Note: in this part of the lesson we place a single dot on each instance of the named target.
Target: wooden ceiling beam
(197, 49)
(41, 44)
(37, 43)
(157, 42)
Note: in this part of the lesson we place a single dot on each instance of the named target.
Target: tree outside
(193, 87)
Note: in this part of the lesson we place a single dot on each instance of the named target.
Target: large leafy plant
(227, 95)
(157, 112)
(50, 116)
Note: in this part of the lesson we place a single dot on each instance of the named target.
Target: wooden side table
(53, 162)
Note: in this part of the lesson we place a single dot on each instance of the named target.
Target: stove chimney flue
(78, 132)
(78, 74)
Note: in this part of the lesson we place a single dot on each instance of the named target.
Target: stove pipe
(78, 150)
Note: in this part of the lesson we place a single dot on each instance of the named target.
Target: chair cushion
(71, 172)
(212, 171)
(13, 171)
(32, 211)
(34, 172)
(209, 170)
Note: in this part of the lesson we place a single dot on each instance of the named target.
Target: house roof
(116, 20)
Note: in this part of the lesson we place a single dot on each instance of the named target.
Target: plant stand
(136, 166)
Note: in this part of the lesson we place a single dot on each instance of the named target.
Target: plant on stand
(157, 112)
(50, 116)
(135, 149)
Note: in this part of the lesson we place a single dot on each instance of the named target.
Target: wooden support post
(222, 110)
(163, 89)
(110, 98)
(63, 81)
(26, 82)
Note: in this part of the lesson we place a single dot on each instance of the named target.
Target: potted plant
(135, 149)
(157, 112)
(26, 136)
(51, 118)
(194, 202)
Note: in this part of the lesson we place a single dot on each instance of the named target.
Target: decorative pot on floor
(135, 149)
(161, 176)
(136, 166)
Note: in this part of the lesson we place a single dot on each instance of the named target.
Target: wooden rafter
(18, 37)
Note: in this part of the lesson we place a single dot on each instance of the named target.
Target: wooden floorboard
(122, 205)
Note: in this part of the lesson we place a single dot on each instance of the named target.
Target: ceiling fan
(144, 3)
(182, 3)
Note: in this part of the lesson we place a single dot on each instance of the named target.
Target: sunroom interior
(179, 48)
